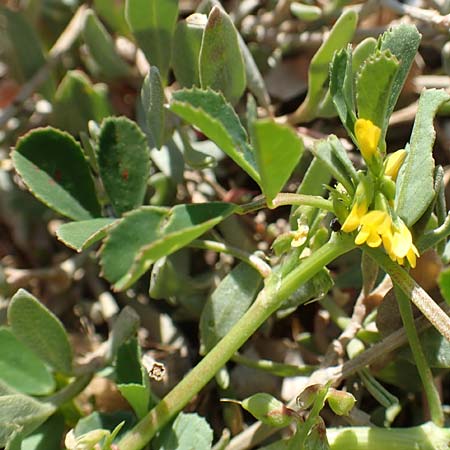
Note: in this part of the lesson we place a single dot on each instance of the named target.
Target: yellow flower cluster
(376, 227)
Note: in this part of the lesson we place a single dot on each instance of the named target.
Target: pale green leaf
(415, 180)
(21, 369)
(21, 414)
(374, 81)
(40, 330)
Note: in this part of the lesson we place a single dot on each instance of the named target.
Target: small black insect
(335, 225)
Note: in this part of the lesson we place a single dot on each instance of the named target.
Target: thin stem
(434, 402)
(70, 391)
(268, 301)
(286, 198)
(275, 368)
(298, 440)
(429, 308)
(251, 259)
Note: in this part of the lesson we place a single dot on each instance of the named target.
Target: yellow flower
(367, 134)
(353, 220)
(300, 235)
(375, 226)
(393, 163)
(400, 245)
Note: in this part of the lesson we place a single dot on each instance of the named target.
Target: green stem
(268, 301)
(434, 402)
(251, 259)
(429, 308)
(286, 198)
(425, 437)
(70, 391)
(275, 368)
(303, 429)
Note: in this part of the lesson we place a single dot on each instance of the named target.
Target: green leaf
(208, 111)
(40, 330)
(77, 101)
(361, 52)
(221, 62)
(403, 42)
(152, 97)
(15, 441)
(341, 154)
(157, 232)
(131, 378)
(340, 35)
(105, 421)
(125, 327)
(186, 50)
(22, 49)
(124, 163)
(373, 85)
(187, 432)
(308, 13)
(21, 369)
(153, 24)
(48, 436)
(21, 414)
(415, 181)
(228, 303)
(102, 49)
(435, 347)
(81, 235)
(324, 150)
(52, 165)
(341, 89)
(113, 13)
(255, 81)
(444, 284)
(6, 389)
(313, 289)
(278, 150)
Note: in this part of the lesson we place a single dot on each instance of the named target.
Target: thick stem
(434, 402)
(426, 437)
(429, 308)
(268, 301)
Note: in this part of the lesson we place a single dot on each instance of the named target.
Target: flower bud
(393, 163)
(368, 135)
(387, 186)
(306, 398)
(340, 402)
(86, 441)
(268, 410)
